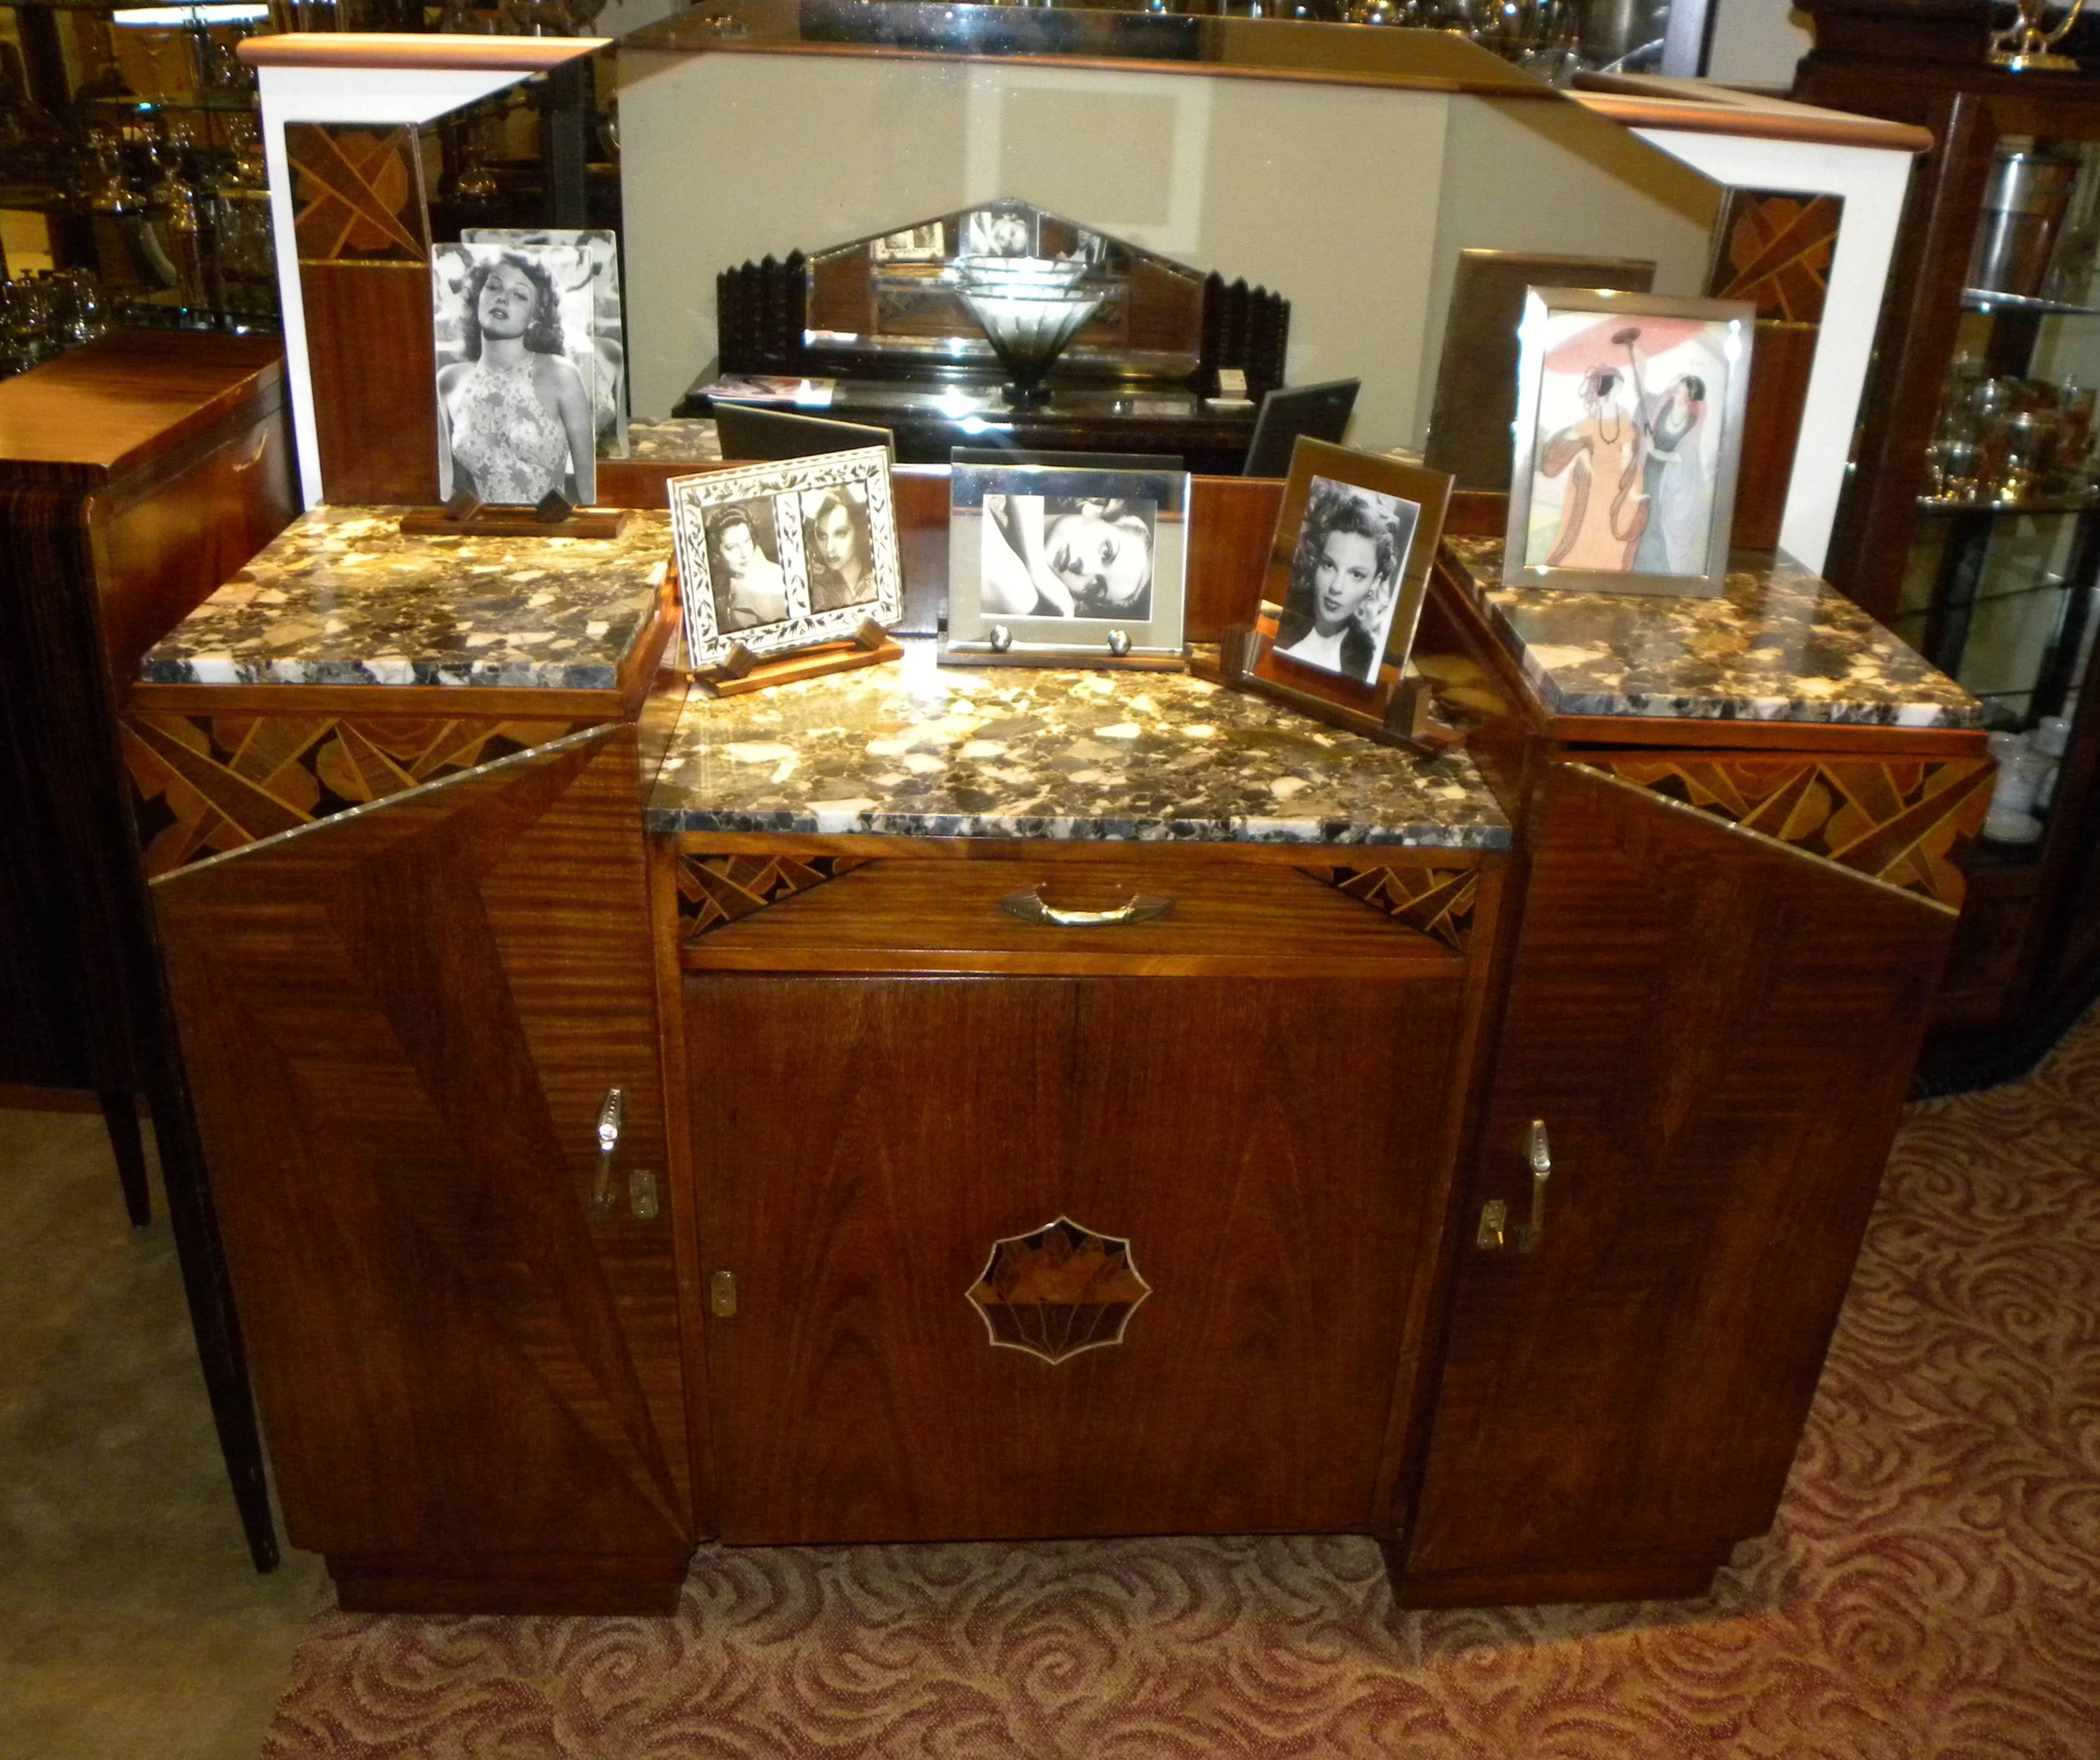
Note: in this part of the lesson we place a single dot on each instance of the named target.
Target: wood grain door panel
(1266, 1148)
(400, 1024)
(1719, 1031)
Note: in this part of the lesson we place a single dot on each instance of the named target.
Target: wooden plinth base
(1400, 710)
(743, 672)
(529, 1583)
(1655, 1577)
(514, 522)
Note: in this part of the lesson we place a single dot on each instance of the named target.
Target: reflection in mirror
(838, 290)
(896, 298)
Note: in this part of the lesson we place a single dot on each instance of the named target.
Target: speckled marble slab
(341, 597)
(915, 750)
(673, 441)
(1779, 644)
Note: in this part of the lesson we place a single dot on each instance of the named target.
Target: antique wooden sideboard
(953, 1189)
(136, 474)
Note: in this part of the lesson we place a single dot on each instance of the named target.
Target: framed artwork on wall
(1629, 430)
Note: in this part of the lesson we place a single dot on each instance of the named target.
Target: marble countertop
(1779, 644)
(913, 748)
(341, 597)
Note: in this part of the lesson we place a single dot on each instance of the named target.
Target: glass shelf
(1982, 299)
(2085, 503)
(224, 101)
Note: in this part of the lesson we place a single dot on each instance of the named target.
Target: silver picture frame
(1627, 379)
(1109, 628)
(781, 503)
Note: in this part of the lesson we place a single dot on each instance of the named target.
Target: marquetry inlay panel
(358, 192)
(204, 785)
(1775, 251)
(1058, 1292)
(1907, 823)
(716, 889)
(1437, 902)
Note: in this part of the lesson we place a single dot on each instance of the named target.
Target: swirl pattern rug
(1931, 1586)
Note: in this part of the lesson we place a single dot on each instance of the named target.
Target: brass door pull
(1497, 1233)
(604, 1197)
(1028, 907)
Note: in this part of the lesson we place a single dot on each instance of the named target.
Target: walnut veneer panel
(400, 1026)
(369, 342)
(1717, 1031)
(869, 1142)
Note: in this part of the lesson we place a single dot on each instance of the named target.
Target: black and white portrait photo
(585, 269)
(999, 233)
(782, 556)
(915, 244)
(1345, 579)
(1067, 556)
(515, 399)
(836, 543)
(743, 546)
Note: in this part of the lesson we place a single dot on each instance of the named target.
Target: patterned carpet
(1932, 1586)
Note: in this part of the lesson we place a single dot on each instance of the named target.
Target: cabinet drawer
(1121, 914)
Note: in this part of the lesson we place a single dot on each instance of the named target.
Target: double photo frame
(774, 558)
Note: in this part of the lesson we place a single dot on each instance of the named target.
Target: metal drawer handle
(1496, 1231)
(1141, 906)
(604, 1197)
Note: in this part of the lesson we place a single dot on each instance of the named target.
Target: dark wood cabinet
(136, 474)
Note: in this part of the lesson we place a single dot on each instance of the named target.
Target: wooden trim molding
(1697, 107)
(402, 52)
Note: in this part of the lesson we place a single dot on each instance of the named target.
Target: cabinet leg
(195, 1229)
(120, 1115)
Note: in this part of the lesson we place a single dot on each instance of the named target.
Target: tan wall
(1555, 178)
(1322, 192)
(1337, 197)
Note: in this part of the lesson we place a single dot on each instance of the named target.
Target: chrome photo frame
(977, 638)
(1541, 305)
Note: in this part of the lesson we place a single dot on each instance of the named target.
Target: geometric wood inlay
(1909, 823)
(1437, 902)
(1775, 252)
(1058, 1292)
(716, 889)
(203, 784)
(360, 193)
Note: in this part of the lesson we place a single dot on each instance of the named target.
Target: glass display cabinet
(133, 192)
(1974, 524)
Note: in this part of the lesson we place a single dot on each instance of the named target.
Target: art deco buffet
(640, 1112)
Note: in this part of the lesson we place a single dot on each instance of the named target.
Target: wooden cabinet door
(400, 1024)
(1266, 1149)
(1718, 1031)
